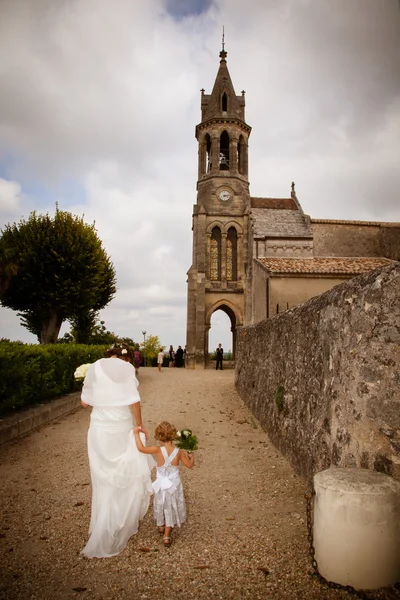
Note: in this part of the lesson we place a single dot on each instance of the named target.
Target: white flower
(186, 433)
(80, 372)
(124, 351)
(178, 434)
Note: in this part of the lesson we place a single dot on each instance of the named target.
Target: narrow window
(231, 255)
(215, 255)
(224, 102)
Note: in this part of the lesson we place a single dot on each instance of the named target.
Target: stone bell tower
(217, 277)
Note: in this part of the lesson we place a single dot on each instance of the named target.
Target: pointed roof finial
(223, 54)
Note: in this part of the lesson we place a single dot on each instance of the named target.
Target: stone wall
(390, 241)
(324, 377)
(346, 239)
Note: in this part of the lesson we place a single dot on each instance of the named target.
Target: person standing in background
(220, 356)
(171, 354)
(160, 359)
(137, 360)
(179, 357)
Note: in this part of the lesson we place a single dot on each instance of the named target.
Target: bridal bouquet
(185, 440)
(80, 372)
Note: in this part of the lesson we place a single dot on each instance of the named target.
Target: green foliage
(186, 440)
(151, 348)
(226, 356)
(280, 393)
(32, 374)
(97, 334)
(54, 269)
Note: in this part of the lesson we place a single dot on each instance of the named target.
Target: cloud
(99, 101)
(10, 197)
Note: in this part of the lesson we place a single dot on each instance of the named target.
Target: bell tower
(217, 277)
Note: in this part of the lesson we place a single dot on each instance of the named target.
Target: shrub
(32, 374)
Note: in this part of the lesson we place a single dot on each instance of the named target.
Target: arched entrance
(220, 332)
(234, 320)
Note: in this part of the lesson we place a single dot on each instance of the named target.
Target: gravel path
(245, 536)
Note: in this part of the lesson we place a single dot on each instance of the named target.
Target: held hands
(140, 429)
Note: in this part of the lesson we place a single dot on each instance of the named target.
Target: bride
(121, 483)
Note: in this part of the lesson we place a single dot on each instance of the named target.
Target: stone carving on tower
(217, 278)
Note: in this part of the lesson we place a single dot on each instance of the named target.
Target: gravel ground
(245, 536)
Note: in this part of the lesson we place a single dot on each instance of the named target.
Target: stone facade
(324, 377)
(241, 243)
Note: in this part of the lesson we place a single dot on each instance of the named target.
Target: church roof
(211, 103)
(363, 223)
(273, 223)
(347, 266)
(275, 203)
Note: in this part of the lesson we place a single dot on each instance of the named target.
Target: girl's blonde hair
(165, 432)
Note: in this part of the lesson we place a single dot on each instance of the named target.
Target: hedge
(32, 374)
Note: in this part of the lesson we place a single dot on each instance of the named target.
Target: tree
(54, 269)
(151, 347)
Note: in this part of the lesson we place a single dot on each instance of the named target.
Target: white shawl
(110, 382)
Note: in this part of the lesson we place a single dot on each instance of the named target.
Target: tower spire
(223, 54)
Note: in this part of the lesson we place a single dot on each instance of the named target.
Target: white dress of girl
(169, 501)
(121, 481)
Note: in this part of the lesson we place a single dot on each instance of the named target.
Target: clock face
(224, 195)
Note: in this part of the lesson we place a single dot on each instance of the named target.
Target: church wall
(259, 293)
(340, 239)
(282, 293)
(324, 377)
(286, 292)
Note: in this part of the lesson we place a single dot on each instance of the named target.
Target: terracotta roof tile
(274, 203)
(323, 265)
(363, 223)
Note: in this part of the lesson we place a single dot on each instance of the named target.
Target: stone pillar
(202, 160)
(245, 150)
(239, 250)
(208, 258)
(233, 156)
(191, 319)
(357, 527)
(215, 154)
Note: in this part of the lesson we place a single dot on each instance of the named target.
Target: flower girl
(169, 501)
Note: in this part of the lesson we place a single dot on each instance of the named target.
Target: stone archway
(235, 320)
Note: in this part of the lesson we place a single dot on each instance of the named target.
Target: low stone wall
(324, 377)
(27, 420)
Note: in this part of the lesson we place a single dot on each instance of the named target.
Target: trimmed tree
(58, 270)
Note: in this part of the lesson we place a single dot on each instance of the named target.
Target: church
(256, 257)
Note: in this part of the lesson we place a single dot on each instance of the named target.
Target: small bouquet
(185, 440)
(80, 372)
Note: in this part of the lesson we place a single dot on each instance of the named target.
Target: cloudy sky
(99, 101)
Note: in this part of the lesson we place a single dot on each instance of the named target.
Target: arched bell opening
(224, 152)
(207, 143)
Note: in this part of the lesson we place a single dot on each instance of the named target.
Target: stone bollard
(357, 527)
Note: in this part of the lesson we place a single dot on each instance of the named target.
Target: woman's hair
(165, 432)
(121, 351)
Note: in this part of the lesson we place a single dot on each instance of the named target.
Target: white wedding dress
(121, 482)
